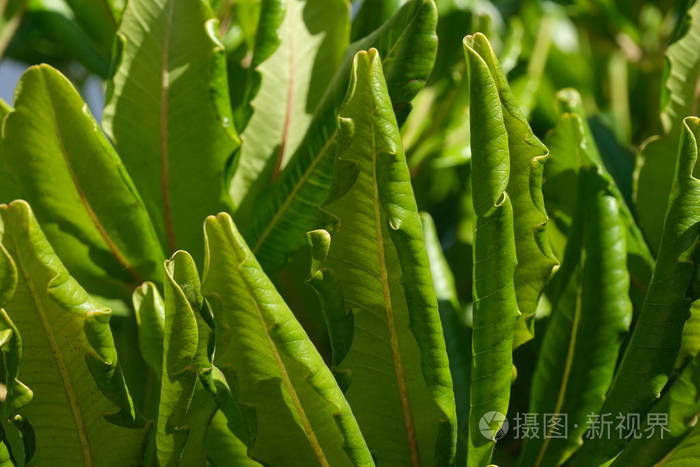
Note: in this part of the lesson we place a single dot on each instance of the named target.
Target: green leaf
(62, 163)
(11, 12)
(4, 109)
(526, 156)
(455, 330)
(652, 349)
(8, 276)
(202, 410)
(327, 285)
(168, 113)
(289, 209)
(69, 358)
(495, 303)
(299, 45)
(656, 171)
(690, 339)
(222, 444)
(223, 448)
(683, 65)
(591, 311)
(680, 406)
(149, 311)
(5, 457)
(572, 146)
(8, 191)
(185, 356)
(17, 395)
(397, 369)
(98, 19)
(54, 33)
(686, 453)
(371, 15)
(295, 412)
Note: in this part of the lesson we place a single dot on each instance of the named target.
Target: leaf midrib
(307, 173)
(388, 307)
(111, 245)
(306, 423)
(289, 101)
(60, 366)
(563, 387)
(292, 195)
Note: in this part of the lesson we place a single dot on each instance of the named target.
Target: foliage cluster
(322, 232)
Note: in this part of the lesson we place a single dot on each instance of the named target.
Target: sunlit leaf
(69, 360)
(168, 113)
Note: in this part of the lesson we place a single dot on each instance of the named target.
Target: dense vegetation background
(604, 84)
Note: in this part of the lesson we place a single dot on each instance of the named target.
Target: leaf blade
(379, 257)
(63, 164)
(68, 345)
(652, 349)
(168, 102)
(276, 371)
(408, 44)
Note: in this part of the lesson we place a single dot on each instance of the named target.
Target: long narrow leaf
(69, 359)
(495, 302)
(651, 352)
(299, 45)
(590, 315)
(668, 421)
(396, 369)
(185, 341)
(572, 146)
(526, 155)
(295, 413)
(168, 112)
(454, 328)
(62, 163)
(407, 45)
(680, 88)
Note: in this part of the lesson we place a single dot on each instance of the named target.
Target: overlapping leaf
(495, 302)
(590, 313)
(525, 156)
(299, 45)
(407, 44)
(149, 313)
(60, 161)
(185, 356)
(454, 329)
(327, 285)
(572, 146)
(18, 394)
(295, 412)
(668, 422)
(656, 171)
(69, 359)
(651, 352)
(396, 368)
(169, 114)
